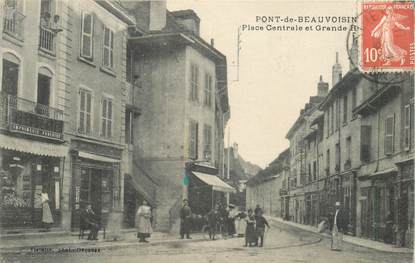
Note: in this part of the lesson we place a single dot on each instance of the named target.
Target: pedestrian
(250, 229)
(47, 219)
(231, 220)
(257, 209)
(261, 222)
(240, 223)
(388, 236)
(212, 218)
(143, 222)
(89, 218)
(339, 227)
(185, 220)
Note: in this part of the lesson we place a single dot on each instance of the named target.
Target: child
(212, 218)
(261, 222)
(250, 229)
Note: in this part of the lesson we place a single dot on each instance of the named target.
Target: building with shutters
(178, 128)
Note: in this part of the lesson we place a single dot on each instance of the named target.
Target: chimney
(149, 14)
(322, 88)
(235, 150)
(354, 53)
(336, 71)
(188, 19)
(212, 42)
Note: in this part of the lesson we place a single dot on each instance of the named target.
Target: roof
(188, 13)
(377, 99)
(350, 80)
(117, 10)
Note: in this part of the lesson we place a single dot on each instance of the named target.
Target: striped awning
(96, 157)
(214, 181)
(32, 146)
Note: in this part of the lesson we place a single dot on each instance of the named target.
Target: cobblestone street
(283, 244)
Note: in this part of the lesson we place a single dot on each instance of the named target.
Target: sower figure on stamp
(339, 226)
(186, 220)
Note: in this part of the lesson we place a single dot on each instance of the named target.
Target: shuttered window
(194, 85)
(407, 127)
(365, 138)
(85, 111)
(87, 35)
(207, 139)
(208, 90)
(108, 47)
(389, 135)
(106, 117)
(193, 140)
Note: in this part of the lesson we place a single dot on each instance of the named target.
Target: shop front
(377, 203)
(96, 181)
(206, 189)
(27, 171)
(404, 209)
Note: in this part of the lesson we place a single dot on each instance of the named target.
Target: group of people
(255, 227)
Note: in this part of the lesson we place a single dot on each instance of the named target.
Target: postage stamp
(387, 40)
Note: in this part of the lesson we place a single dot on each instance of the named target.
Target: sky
(278, 71)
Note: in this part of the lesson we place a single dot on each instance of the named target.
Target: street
(282, 244)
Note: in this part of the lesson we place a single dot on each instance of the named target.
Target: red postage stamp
(387, 36)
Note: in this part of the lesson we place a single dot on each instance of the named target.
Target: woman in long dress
(143, 222)
(47, 219)
(384, 30)
(250, 235)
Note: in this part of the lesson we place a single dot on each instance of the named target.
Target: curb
(346, 241)
(105, 244)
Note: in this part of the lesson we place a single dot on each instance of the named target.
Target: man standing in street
(339, 227)
(185, 220)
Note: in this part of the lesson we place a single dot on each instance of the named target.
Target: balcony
(13, 23)
(27, 117)
(47, 40)
(134, 95)
(283, 192)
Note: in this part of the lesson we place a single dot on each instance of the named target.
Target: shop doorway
(96, 190)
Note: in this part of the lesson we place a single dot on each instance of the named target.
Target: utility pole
(238, 49)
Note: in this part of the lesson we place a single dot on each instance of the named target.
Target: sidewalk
(60, 239)
(349, 239)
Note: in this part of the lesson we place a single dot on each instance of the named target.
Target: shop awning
(96, 157)
(32, 146)
(214, 181)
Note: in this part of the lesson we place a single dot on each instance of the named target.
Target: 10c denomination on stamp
(387, 41)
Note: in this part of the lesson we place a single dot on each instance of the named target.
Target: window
(328, 121)
(193, 144)
(354, 98)
(207, 139)
(389, 134)
(328, 163)
(407, 127)
(310, 176)
(348, 148)
(87, 35)
(129, 127)
(10, 77)
(208, 90)
(314, 170)
(332, 119)
(108, 47)
(345, 109)
(365, 137)
(337, 157)
(194, 92)
(13, 18)
(85, 111)
(106, 118)
(337, 109)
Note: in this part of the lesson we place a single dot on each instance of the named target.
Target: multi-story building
(385, 189)
(95, 109)
(178, 136)
(299, 163)
(32, 122)
(265, 189)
